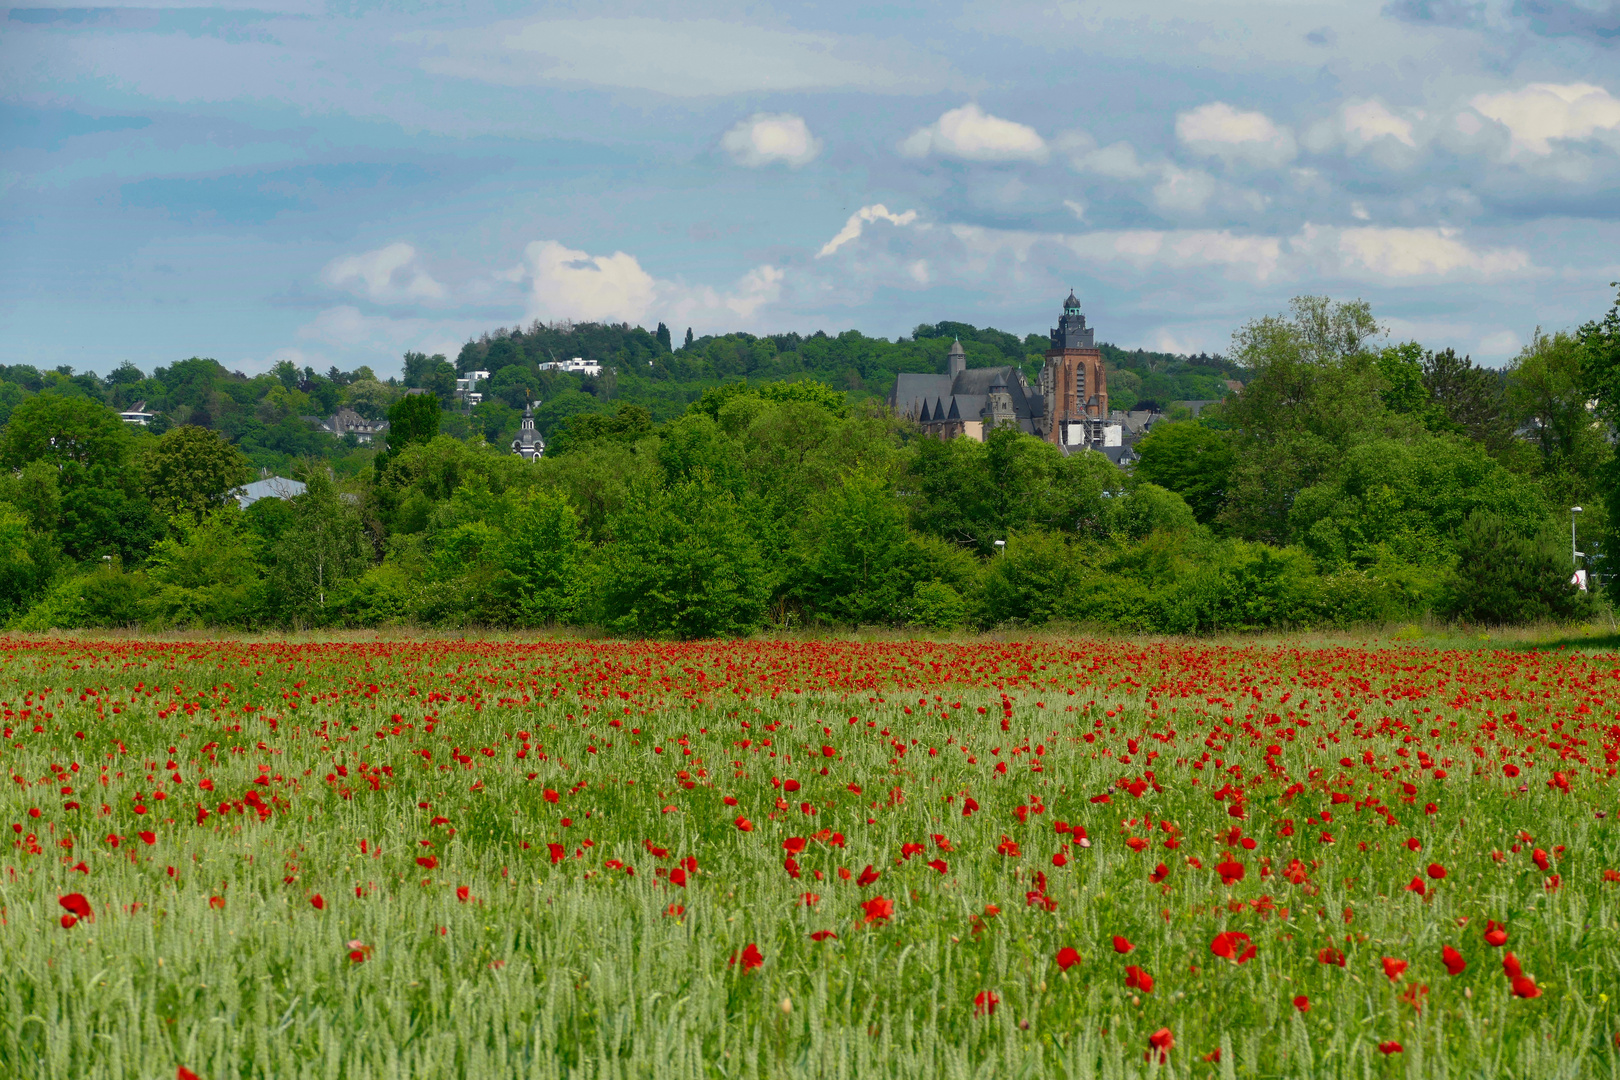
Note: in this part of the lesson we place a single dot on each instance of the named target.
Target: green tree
(28, 559)
(1505, 575)
(682, 564)
(1190, 459)
(412, 420)
(543, 555)
(433, 373)
(860, 562)
(191, 471)
(207, 575)
(1600, 367)
(1549, 393)
(1315, 391)
(628, 425)
(100, 510)
(1468, 400)
(321, 548)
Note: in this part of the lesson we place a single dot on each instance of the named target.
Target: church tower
(1073, 385)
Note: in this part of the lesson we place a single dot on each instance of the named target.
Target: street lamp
(1001, 546)
(1574, 554)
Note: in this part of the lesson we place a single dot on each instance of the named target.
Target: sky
(335, 183)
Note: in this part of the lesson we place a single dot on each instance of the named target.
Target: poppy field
(1031, 858)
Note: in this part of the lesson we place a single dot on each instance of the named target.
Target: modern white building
(576, 366)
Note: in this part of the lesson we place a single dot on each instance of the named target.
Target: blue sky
(335, 183)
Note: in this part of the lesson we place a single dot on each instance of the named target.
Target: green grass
(579, 969)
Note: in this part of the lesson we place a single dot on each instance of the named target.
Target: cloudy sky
(339, 181)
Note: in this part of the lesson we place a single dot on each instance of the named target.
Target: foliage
(191, 471)
(1505, 575)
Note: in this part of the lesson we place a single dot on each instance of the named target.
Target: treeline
(1347, 483)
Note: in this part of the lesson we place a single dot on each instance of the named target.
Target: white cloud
(681, 58)
(1250, 257)
(569, 284)
(1501, 343)
(1399, 253)
(768, 138)
(975, 135)
(1219, 130)
(1165, 340)
(389, 275)
(1117, 161)
(1077, 208)
(1542, 112)
(858, 220)
(1365, 121)
(1183, 190)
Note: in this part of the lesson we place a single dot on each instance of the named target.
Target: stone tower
(1073, 385)
(956, 360)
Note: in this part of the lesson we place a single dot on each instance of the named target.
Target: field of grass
(486, 858)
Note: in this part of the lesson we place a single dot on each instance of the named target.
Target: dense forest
(740, 483)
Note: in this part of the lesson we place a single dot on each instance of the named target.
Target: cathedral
(1067, 408)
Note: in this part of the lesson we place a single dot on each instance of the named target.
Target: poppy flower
(1330, 955)
(751, 957)
(1230, 945)
(1393, 968)
(1121, 945)
(463, 893)
(1302, 1003)
(358, 951)
(1525, 987)
(1510, 966)
(217, 902)
(76, 905)
(1390, 1047)
(877, 909)
(1161, 1041)
(551, 796)
(939, 865)
(317, 902)
(1060, 859)
(1436, 871)
(985, 1002)
(677, 876)
(868, 876)
(183, 1073)
(744, 825)
(1453, 960)
(557, 852)
(1231, 871)
(675, 911)
(1137, 979)
(1067, 957)
(1495, 933)
(1539, 857)
(147, 837)
(794, 845)
(1160, 872)
(428, 862)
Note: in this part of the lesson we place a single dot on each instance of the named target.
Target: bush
(1506, 575)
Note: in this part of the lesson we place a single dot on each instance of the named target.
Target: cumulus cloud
(859, 220)
(568, 284)
(1404, 253)
(975, 135)
(1183, 190)
(1541, 112)
(1116, 161)
(1221, 131)
(389, 275)
(1369, 120)
(769, 138)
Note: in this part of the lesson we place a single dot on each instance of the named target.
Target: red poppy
(1510, 966)
(1230, 945)
(1067, 957)
(217, 902)
(751, 957)
(1453, 960)
(1121, 945)
(147, 837)
(1418, 887)
(1330, 955)
(822, 935)
(677, 876)
(938, 864)
(984, 1002)
(317, 902)
(1160, 872)
(76, 904)
(183, 1073)
(1436, 871)
(1540, 858)
(1161, 1041)
(878, 909)
(1137, 979)
(744, 825)
(1393, 968)
(1390, 1047)
(1302, 1003)
(551, 796)
(358, 951)
(794, 845)
(1231, 871)
(558, 853)
(463, 893)
(1495, 933)
(868, 876)
(1525, 987)
(1060, 859)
